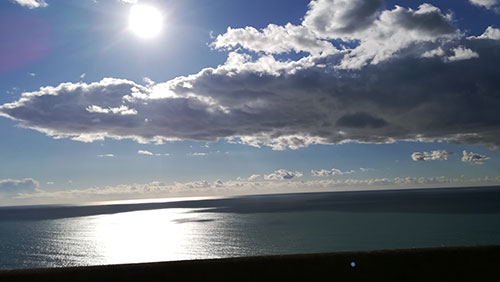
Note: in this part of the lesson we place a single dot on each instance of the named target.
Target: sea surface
(59, 236)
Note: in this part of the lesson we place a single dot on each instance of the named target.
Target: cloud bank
(237, 187)
(364, 75)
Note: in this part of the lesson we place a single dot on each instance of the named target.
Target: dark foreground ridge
(433, 264)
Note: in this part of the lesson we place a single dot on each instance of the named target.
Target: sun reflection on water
(147, 236)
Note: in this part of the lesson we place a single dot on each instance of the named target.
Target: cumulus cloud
(330, 172)
(396, 81)
(437, 155)
(274, 39)
(144, 152)
(490, 33)
(283, 174)
(12, 187)
(462, 53)
(31, 3)
(254, 177)
(470, 157)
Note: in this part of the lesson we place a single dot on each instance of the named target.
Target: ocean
(61, 236)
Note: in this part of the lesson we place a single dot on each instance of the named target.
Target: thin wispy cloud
(106, 156)
(144, 152)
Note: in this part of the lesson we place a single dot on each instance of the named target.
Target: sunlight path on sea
(139, 236)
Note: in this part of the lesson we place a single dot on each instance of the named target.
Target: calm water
(245, 226)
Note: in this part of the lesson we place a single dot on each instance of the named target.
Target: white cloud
(144, 152)
(283, 174)
(488, 4)
(82, 76)
(274, 39)
(106, 156)
(31, 3)
(9, 187)
(470, 157)
(32, 74)
(489, 33)
(254, 177)
(198, 154)
(148, 81)
(437, 155)
(122, 110)
(462, 53)
(438, 52)
(330, 172)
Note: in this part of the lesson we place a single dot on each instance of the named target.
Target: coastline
(472, 263)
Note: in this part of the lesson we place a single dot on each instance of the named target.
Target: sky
(231, 97)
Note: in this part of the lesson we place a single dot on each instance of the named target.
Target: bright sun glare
(145, 21)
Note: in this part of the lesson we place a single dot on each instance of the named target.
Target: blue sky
(241, 97)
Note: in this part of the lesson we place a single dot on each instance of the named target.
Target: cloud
(462, 53)
(330, 172)
(438, 52)
(106, 156)
(490, 33)
(82, 76)
(274, 39)
(32, 74)
(283, 174)
(10, 187)
(254, 177)
(488, 4)
(470, 157)
(31, 3)
(394, 80)
(335, 18)
(144, 152)
(437, 155)
(198, 154)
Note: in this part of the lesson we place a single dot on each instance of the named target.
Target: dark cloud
(362, 120)
(427, 20)
(333, 18)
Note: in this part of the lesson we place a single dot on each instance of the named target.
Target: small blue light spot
(353, 264)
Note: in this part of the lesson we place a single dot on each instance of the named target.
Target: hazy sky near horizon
(244, 97)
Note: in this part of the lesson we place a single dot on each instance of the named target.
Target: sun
(145, 21)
